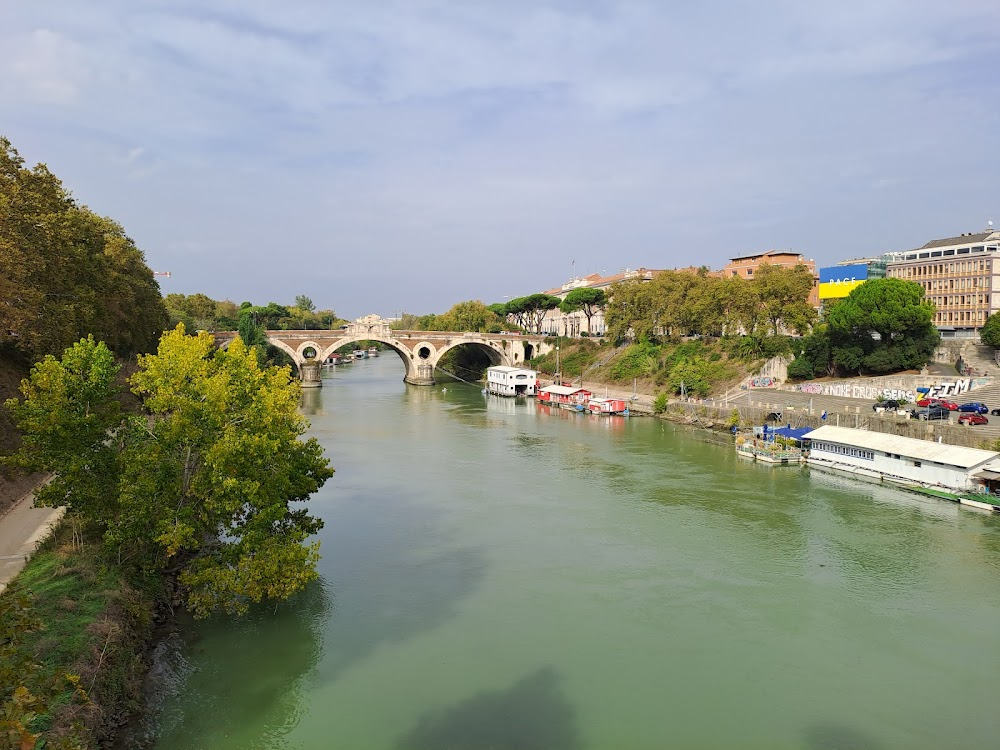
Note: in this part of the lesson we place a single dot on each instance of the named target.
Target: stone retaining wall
(716, 417)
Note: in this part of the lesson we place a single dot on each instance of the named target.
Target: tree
(69, 417)
(229, 463)
(632, 311)
(205, 488)
(66, 272)
(469, 316)
(304, 303)
(587, 299)
(784, 297)
(883, 325)
(990, 332)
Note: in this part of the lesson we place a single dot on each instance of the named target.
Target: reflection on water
(532, 714)
(249, 675)
(678, 596)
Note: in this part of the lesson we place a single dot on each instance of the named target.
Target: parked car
(971, 419)
(930, 412)
(975, 407)
(935, 401)
(995, 412)
(890, 405)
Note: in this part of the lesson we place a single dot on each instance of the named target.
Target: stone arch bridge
(420, 350)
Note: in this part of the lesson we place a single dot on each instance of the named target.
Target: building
(960, 275)
(903, 460)
(558, 323)
(836, 282)
(511, 381)
(746, 266)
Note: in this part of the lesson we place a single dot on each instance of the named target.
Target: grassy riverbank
(703, 366)
(89, 620)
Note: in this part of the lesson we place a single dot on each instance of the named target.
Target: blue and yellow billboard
(837, 282)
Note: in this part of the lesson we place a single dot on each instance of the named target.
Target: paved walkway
(22, 529)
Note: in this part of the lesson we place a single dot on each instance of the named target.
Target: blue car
(975, 407)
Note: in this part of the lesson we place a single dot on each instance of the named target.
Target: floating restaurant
(903, 460)
(511, 381)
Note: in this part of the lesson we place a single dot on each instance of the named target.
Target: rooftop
(969, 238)
(925, 450)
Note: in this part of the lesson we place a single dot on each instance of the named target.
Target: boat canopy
(795, 433)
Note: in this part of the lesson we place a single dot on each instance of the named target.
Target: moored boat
(607, 406)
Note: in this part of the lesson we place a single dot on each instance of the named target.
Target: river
(499, 575)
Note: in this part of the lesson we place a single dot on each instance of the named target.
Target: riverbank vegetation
(199, 488)
(66, 272)
(882, 326)
(73, 630)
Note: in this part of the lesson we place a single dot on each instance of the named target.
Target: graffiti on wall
(763, 381)
(954, 388)
(851, 390)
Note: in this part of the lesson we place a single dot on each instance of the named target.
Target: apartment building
(747, 265)
(960, 275)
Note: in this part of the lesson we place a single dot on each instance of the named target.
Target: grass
(95, 624)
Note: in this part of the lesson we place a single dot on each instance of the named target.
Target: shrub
(660, 403)
(801, 368)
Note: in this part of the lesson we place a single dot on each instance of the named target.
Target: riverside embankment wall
(719, 418)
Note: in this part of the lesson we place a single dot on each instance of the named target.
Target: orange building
(747, 265)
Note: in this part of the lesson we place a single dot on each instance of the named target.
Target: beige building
(747, 265)
(558, 323)
(960, 275)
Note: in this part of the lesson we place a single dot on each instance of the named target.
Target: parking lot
(853, 412)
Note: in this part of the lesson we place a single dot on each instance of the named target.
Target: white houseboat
(511, 381)
(918, 464)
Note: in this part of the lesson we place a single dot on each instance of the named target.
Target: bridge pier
(419, 374)
(309, 374)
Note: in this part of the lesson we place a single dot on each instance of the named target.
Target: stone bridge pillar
(309, 374)
(420, 373)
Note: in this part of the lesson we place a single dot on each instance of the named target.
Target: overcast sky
(384, 156)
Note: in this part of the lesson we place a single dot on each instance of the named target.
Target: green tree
(228, 464)
(470, 316)
(632, 311)
(883, 325)
(69, 417)
(205, 488)
(784, 297)
(587, 299)
(304, 303)
(66, 272)
(990, 332)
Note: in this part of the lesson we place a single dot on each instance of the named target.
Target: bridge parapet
(420, 351)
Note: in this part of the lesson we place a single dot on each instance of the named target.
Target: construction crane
(162, 273)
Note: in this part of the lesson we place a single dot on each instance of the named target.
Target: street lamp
(558, 374)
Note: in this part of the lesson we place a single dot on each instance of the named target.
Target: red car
(971, 419)
(942, 402)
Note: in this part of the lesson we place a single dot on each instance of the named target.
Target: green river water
(498, 575)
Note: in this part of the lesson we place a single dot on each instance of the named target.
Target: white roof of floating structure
(925, 450)
(508, 369)
(563, 390)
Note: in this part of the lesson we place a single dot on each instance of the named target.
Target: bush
(660, 403)
(801, 369)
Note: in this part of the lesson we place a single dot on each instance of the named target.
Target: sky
(404, 155)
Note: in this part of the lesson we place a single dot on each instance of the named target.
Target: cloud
(433, 135)
(46, 67)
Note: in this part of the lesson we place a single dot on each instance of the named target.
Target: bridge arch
(412, 367)
(496, 355)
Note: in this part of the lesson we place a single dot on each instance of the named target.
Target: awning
(987, 474)
(795, 433)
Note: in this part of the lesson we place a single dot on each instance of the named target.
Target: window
(916, 463)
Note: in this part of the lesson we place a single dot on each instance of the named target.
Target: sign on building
(836, 282)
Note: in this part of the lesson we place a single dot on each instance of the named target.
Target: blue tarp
(795, 433)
